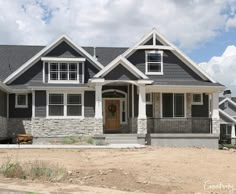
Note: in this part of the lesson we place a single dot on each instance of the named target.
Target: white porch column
(215, 113)
(33, 104)
(98, 101)
(142, 118)
(233, 140)
(142, 102)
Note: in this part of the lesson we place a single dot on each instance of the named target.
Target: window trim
(197, 103)
(149, 102)
(65, 116)
(146, 63)
(16, 101)
(66, 81)
(185, 105)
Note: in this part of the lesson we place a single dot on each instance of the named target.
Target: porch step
(121, 138)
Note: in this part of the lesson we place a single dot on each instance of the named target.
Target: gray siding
(150, 42)
(33, 74)
(40, 103)
(149, 110)
(63, 50)
(89, 71)
(135, 101)
(228, 108)
(89, 103)
(3, 104)
(201, 110)
(19, 112)
(173, 68)
(120, 73)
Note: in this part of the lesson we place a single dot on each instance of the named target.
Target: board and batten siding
(19, 112)
(201, 110)
(3, 104)
(89, 103)
(40, 103)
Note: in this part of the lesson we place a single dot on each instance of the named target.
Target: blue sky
(204, 29)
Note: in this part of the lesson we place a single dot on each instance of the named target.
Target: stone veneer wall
(3, 126)
(42, 127)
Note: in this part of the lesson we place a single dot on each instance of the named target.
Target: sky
(204, 29)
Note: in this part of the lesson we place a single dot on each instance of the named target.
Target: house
(227, 110)
(149, 92)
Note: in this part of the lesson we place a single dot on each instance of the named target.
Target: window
(66, 72)
(173, 105)
(63, 105)
(154, 62)
(21, 101)
(197, 99)
(148, 98)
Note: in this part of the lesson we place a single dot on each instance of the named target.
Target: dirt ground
(147, 170)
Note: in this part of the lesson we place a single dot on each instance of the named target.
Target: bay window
(173, 105)
(64, 105)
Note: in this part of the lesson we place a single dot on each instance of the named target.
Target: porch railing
(179, 125)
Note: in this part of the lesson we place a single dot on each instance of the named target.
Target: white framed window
(21, 101)
(154, 63)
(66, 72)
(197, 99)
(148, 98)
(64, 105)
(173, 105)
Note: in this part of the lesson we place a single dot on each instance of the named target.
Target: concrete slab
(37, 146)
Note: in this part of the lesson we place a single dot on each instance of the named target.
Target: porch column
(142, 118)
(215, 113)
(233, 140)
(98, 109)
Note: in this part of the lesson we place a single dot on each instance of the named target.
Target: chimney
(94, 53)
(227, 93)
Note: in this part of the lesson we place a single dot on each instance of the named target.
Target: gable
(230, 109)
(173, 67)
(120, 73)
(63, 50)
(150, 42)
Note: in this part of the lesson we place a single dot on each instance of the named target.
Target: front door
(112, 114)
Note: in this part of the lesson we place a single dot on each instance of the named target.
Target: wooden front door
(112, 114)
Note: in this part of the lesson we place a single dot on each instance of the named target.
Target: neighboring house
(152, 91)
(227, 110)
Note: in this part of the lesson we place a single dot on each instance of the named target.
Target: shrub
(36, 170)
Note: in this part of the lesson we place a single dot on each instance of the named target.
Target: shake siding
(201, 110)
(89, 103)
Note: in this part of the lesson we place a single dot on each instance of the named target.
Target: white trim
(26, 101)
(154, 39)
(146, 63)
(227, 115)
(184, 88)
(151, 101)
(121, 60)
(61, 59)
(197, 103)
(37, 57)
(68, 81)
(121, 99)
(33, 104)
(196, 68)
(65, 116)
(157, 47)
(132, 100)
(228, 99)
(44, 72)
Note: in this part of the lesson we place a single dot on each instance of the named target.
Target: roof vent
(227, 93)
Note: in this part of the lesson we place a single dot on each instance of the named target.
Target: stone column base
(215, 126)
(98, 126)
(142, 126)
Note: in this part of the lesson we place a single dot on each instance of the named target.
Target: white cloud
(113, 22)
(223, 68)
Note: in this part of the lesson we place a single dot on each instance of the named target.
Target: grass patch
(78, 140)
(36, 170)
(229, 146)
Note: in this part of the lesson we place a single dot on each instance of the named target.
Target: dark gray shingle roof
(13, 56)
